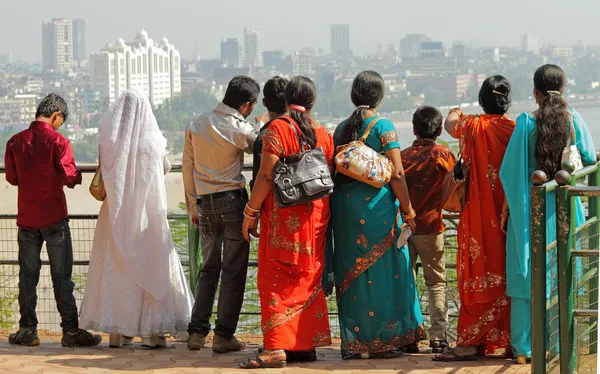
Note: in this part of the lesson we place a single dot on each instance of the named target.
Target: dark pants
(60, 254)
(224, 253)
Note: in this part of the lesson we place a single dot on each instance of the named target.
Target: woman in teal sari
(379, 312)
(536, 144)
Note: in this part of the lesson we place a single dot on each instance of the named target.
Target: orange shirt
(425, 166)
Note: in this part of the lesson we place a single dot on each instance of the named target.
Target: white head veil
(132, 150)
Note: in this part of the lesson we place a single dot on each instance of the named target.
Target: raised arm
(451, 121)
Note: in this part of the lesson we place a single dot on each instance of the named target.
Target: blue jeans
(60, 255)
(224, 255)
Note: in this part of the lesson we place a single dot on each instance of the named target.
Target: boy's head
(53, 110)
(274, 95)
(242, 94)
(427, 122)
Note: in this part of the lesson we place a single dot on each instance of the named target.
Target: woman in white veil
(135, 284)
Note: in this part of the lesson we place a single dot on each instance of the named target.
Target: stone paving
(176, 358)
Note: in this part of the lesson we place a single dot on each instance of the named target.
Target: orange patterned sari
(484, 318)
(291, 258)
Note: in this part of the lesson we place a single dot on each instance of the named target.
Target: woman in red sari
(483, 318)
(291, 249)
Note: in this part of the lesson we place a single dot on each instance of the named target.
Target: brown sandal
(274, 360)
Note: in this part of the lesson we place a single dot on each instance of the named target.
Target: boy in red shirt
(39, 161)
(425, 166)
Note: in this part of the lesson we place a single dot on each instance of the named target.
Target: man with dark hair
(274, 101)
(216, 195)
(39, 161)
(425, 166)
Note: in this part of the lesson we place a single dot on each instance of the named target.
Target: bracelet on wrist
(249, 216)
(409, 216)
(251, 210)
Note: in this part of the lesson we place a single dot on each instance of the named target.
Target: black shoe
(24, 337)
(411, 348)
(439, 346)
(80, 338)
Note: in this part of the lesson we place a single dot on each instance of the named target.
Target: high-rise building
(530, 44)
(152, 67)
(79, 49)
(302, 64)
(410, 46)
(253, 53)
(340, 39)
(57, 44)
(231, 53)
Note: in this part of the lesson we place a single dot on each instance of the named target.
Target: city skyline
(394, 22)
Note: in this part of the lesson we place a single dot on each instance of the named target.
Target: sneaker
(154, 342)
(196, 342)
(222, 345)
(439, 346)
(80, 338)
(25, 337)
(118, 340)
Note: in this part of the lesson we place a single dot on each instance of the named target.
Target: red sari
(483, 318)
(291, 258)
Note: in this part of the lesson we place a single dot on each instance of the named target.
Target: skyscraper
(79, 50)
(150, 66)
(253, 53)
(231, 53)
(340, 39)
(410, 46)
(530, 44)
(57, 44)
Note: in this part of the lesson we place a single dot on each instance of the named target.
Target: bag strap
(368, 130)
(572, 134)
(301, 141)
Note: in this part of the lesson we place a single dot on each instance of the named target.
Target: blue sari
(519, 163)
(375, 287)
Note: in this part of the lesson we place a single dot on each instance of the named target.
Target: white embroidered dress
(135, 284)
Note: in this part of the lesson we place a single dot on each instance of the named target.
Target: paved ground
(176, 358)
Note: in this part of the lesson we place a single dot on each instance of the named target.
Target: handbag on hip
(303, 177)
(97, 186)
(361, 162)
(455, 184)
(570, 152)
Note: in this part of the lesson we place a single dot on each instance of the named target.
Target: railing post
(594, 243)
(538, 273)
(193, 245)
(564, 242)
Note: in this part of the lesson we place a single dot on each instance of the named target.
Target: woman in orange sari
(483, 318)
(291, 249)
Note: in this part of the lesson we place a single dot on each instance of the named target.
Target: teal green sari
(376, 293)
(517, 167)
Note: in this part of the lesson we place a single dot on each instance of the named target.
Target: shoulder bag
(303, 177)
(97, 186)
(361, 162)
(455, 184)
(570, 153)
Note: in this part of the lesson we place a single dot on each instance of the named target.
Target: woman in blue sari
(536, 144)
(378, 307)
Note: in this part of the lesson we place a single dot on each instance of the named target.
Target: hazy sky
(201, 24)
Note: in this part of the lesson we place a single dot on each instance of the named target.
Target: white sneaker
(118, 340)
(154, 342)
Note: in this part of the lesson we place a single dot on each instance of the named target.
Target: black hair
(427, 122)
(552, 119)
(274, 93)
(301, 91)
(495, 96)
(51, 104)
(241, 90)
(367, 93)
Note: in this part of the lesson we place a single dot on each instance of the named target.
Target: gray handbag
(303, 177)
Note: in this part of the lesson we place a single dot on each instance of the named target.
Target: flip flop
(257, 363)
(452, 356)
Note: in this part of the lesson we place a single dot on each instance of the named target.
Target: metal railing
(186, 237)
(572, 274)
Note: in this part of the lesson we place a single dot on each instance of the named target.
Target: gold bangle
(409, 216)
(250, 209)
(456, 110)
(249, 216)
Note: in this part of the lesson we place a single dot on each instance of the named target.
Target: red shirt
(425, 166)
(40, 162)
